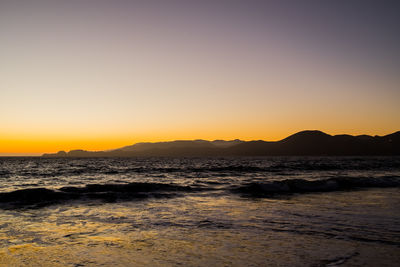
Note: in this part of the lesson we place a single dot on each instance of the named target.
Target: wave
(280, 167)
(37, 197)
(305, 186)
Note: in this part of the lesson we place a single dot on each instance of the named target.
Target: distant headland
(304, 143)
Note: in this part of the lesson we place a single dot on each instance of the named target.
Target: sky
(99, 74)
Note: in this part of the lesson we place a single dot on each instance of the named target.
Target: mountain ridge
(303, 143)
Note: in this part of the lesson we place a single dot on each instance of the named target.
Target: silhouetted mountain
(223, 143)
(195, 144)
(312, 143)
(392, 138)
(167, 145)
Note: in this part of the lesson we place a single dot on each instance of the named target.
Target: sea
(238, 211)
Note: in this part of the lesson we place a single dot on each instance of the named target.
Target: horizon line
(38, 154)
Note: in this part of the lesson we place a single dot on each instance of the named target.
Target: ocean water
(269, 211)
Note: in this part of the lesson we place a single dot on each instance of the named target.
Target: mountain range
(304, 143)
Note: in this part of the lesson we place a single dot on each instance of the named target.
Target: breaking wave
(37, 197)
(306, 186)
(104, 192)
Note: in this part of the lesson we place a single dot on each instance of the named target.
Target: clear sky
(103, 74)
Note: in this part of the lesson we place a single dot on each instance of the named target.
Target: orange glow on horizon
(38, 144)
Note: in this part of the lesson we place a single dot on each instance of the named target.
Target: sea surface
(266, 211)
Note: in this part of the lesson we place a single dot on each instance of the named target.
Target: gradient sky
(103, 74)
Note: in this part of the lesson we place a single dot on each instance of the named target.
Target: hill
(304, 143)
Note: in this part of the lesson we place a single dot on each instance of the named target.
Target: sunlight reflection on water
(312, 229)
